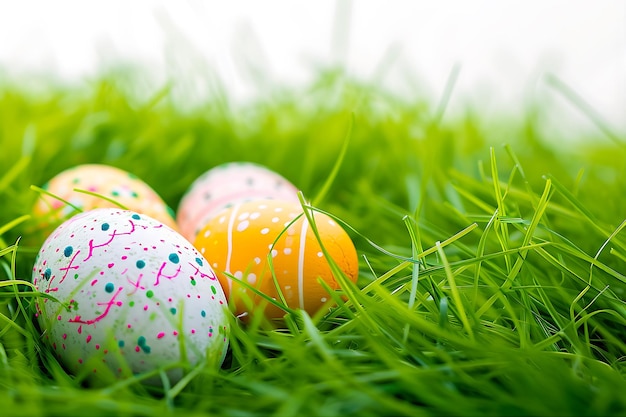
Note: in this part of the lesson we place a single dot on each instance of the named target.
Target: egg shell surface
(108, 181)
(134, 289)
(239, 239)
(225, 185)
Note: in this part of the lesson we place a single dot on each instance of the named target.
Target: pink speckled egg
(225, 185)
(107, 181)
(132, 296)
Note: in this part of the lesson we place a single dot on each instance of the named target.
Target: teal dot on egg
(173, 310)
(141, 342)
(47, 273)
(140, 264)
(203, 313)
(105, 227)
(174, 258)
(120, 343)
(68, 251)
(136, 216)
(199, 261)
(109, 287)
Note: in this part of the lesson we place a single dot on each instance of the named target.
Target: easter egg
(130, 295)
(240, 238)
(113, 183)
(225, 185)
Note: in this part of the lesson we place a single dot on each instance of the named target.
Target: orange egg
(104, 180)
(239, 239)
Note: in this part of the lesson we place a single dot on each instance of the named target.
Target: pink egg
(225, 185)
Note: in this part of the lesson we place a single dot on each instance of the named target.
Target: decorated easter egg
(225, 185)
(107, 181)
(240, 238)
(130, 295)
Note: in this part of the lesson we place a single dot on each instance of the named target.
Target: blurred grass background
(492, 256)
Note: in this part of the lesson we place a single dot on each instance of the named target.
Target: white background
(504, 49)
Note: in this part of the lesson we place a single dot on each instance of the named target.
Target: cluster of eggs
(133, 288)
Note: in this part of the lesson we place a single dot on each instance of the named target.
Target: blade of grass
(319, 197)
(456, 296)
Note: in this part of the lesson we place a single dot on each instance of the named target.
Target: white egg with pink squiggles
(131, 295)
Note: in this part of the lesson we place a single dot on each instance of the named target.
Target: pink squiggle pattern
(161, 274)
(107, 243)
(109, 304)
(202, 274)
(69, 266)
(136, 284)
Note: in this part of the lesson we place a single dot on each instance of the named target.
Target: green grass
(492, 256)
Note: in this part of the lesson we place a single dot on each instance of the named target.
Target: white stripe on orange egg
(229, 242)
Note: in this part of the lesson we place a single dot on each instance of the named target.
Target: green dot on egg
(149, 293)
